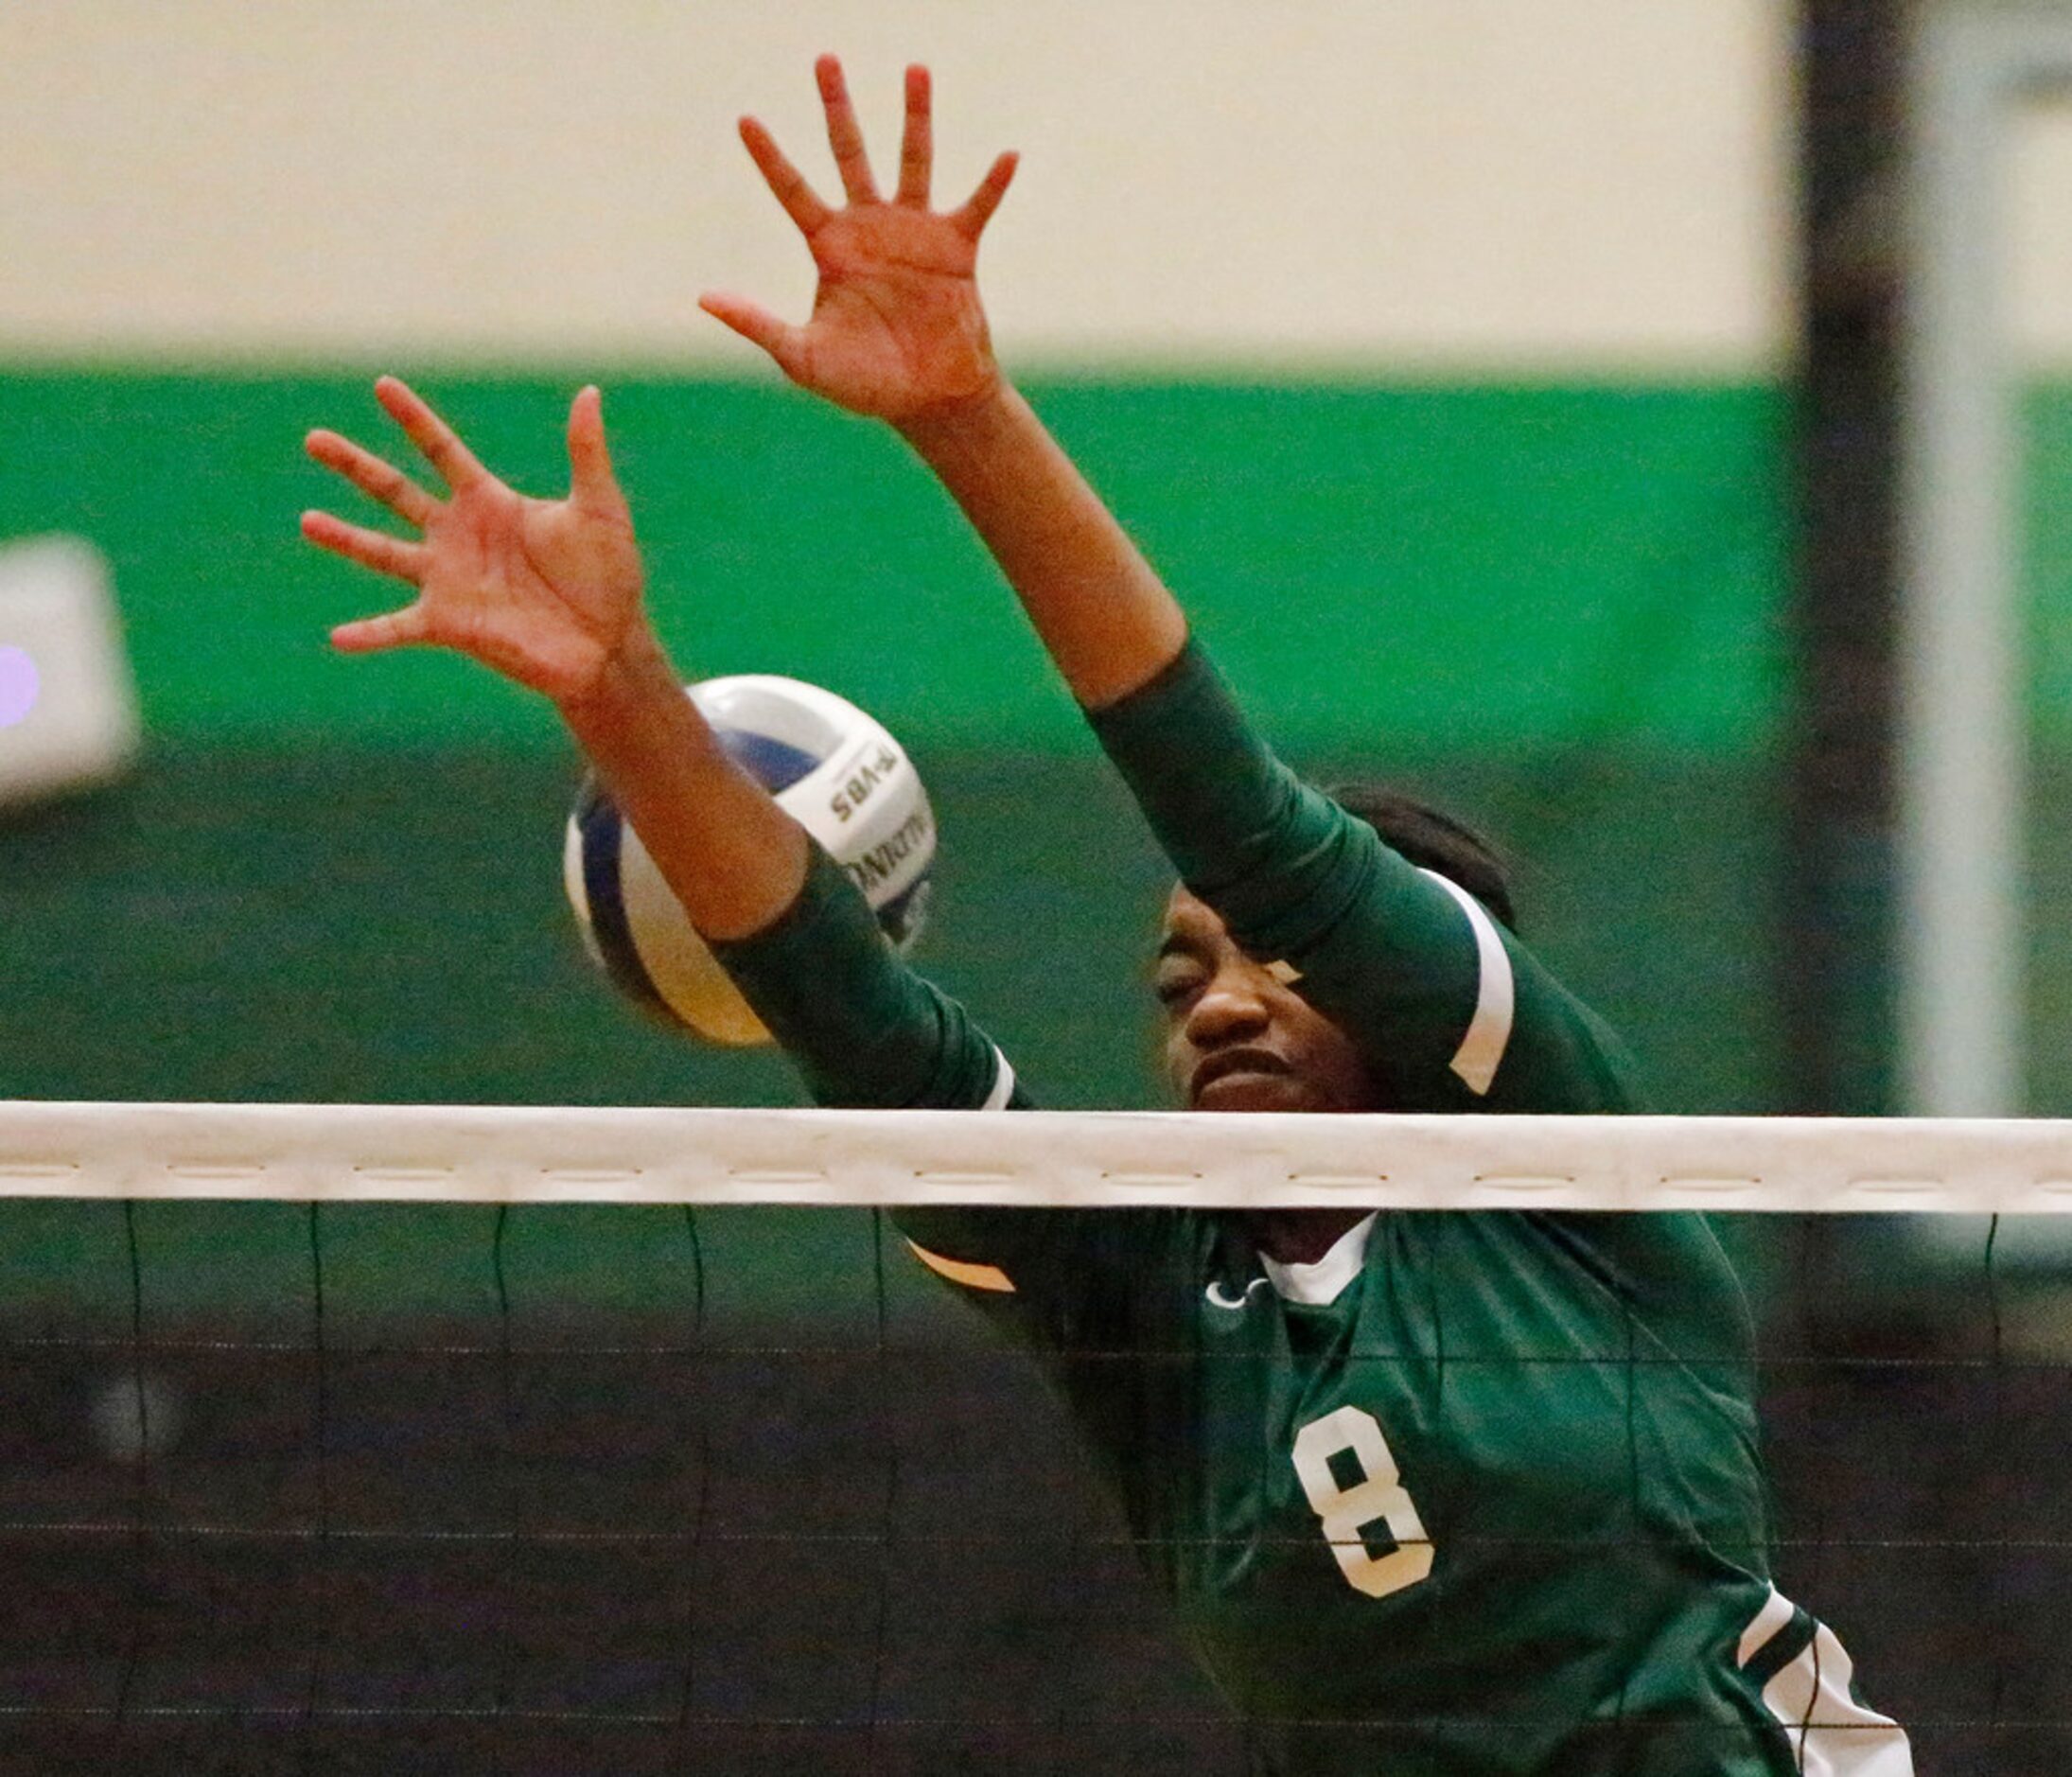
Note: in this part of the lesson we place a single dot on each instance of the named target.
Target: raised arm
(549, 593)
(898, 332)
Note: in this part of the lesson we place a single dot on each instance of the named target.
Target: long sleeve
(866, 1030)
(1450, 1011)
(862, 1027)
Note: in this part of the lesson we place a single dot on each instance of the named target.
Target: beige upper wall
(2036, 207)
(1425, 182)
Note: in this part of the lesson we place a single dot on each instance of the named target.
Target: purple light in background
(19, 684)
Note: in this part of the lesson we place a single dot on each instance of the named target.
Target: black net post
(1835, 953)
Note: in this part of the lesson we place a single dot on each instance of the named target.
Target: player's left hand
(897, 330)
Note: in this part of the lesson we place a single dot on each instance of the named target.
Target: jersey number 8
(1346, 1510)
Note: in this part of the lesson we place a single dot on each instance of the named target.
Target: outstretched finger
(844, 133)
(756, 324)
(375, 477)
(392, 629)
(978, 208)
(786, 182)
(370, 549)
(439, 441)
(917, 146)
(592, 483)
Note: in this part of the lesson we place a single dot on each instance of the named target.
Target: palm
(896, 322)
(531, 587)
(545, 592)
(897, 326)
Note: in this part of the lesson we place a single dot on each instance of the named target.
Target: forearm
(732, 857)
(861, 1026)
(1105, 617)
(794, 933)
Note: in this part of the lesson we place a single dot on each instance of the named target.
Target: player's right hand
(897, 330)
(545, 592)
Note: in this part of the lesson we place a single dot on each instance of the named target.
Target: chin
(1257, 1092)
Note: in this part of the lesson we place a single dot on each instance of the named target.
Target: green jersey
(1475, 1494)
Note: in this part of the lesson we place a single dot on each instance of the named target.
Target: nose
(1230, 1009)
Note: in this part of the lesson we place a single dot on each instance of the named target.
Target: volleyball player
(1464, 1495)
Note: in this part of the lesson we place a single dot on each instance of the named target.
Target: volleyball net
(355, 1437)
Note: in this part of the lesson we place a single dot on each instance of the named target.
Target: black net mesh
(551, 1489)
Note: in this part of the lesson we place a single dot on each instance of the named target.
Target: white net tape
(545, 1154)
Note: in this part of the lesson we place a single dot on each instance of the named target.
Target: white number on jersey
(1378, 1495)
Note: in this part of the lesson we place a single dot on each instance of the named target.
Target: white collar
(1322, 1281)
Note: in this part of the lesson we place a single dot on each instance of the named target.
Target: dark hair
(1434, 842)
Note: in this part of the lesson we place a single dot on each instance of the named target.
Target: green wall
(358, 925)
(1488, 569)
(336, 879)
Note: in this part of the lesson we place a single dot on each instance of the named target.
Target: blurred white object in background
(68, 713)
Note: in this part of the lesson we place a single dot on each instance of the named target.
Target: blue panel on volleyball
(598, 820)
(772, 763)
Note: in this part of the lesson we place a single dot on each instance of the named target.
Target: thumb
(758, 326)
(592, 482)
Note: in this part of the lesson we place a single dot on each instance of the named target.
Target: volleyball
(832, 768)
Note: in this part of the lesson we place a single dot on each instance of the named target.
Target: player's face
(1238, 1038)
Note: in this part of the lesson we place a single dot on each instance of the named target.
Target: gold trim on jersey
(959, 1271)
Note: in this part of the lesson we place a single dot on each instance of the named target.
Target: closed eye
(1177, 979)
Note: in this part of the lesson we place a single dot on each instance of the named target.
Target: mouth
(1235, 1065)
